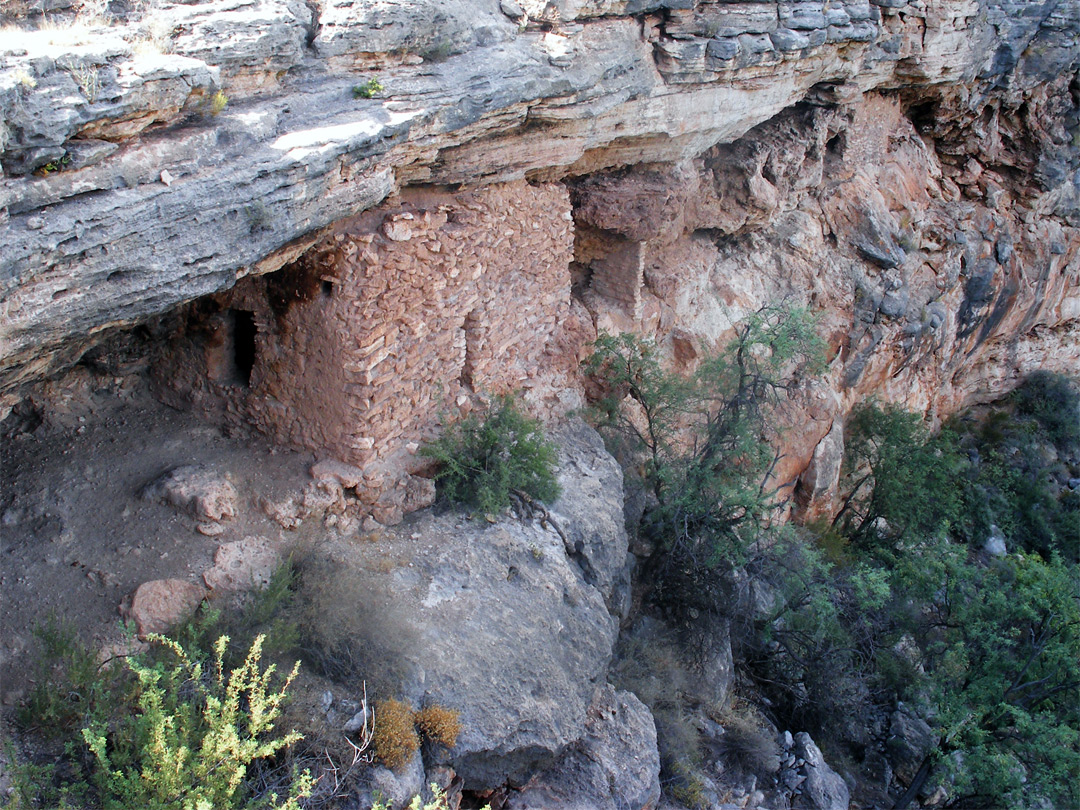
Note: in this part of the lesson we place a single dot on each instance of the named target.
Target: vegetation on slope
(906, 597)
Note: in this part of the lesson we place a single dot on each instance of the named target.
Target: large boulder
(910, 741)
(590, 512)
(499, 622)
(156, 606)
(615, 766)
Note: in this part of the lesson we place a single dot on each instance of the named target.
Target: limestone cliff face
(910, 169)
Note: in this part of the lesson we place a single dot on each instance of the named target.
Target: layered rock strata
(160, 196)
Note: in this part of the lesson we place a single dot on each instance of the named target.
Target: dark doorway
(243, 340)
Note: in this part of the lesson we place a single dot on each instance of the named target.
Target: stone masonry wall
(401, 315)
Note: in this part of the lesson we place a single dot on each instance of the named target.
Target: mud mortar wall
(399, 314)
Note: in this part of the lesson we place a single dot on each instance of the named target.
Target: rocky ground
(113, 504)
(80, 535)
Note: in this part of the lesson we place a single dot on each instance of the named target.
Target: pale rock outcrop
(615, 765)
(910, 741)
(120, 235)
(935, 288)
(202, 491)
(822, 788)
(243, 565)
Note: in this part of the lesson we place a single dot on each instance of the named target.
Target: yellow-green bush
(194, 736)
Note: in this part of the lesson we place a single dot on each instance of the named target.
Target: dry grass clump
(353, 626)
(395, 739)
(748, 739)
(439, 724)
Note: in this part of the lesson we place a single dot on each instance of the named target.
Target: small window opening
(244, 332)
(328, 289)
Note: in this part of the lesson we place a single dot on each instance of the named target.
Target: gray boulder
(823, 788)
(499, 623)
(910, 740)
(615, 766)
(590, 513)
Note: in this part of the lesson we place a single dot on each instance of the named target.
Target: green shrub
(368, 89)
(702, 443)
(68, 685)
(483, 460)
(1054, 401)
(196, 732)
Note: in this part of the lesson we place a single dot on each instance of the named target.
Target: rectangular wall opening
(244, 331)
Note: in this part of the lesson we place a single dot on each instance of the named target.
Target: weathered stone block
(802, 16)
(727, 48)
(787, 40)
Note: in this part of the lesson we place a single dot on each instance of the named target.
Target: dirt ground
(76, 537)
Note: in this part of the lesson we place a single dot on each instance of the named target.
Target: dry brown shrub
(439, 724)
(395, 740)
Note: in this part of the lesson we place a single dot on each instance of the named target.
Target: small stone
(512, 10)
(863, 32)
(35, 223)
(723, 48)
(787, 40)
(326, 700)
(210, 529)
(357, 722)
(345, 474)
(837, 15)
(166, 177)
(243, 564)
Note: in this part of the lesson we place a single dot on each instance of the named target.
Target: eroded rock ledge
(161, 202)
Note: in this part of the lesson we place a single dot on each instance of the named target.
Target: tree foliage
(902, 482)
(1002, 656)
(909, 605)
(704, 441)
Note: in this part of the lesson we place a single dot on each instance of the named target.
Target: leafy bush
(195, 734)
(394, 739)
(68, 685)
(368, 89)
(986, 646)
(1054, 401)
(483, 460)
(177, 726)
(901, 482)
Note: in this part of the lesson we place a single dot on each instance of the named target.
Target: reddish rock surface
(158, 605)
